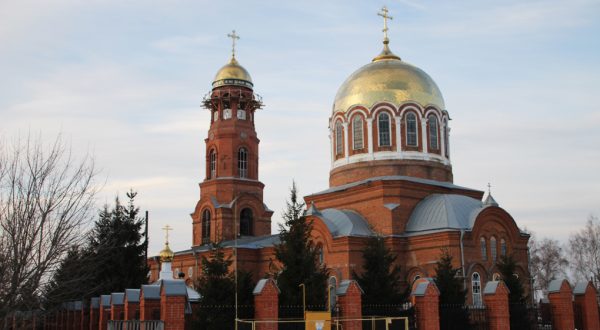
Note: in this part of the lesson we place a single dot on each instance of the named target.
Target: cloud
(179, 44)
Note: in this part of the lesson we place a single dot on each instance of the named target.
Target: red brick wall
(498, 315)
(116, 312)
(172, 311)
(562, 307)
(266, 306)
(131, 310)
(427, 308)
(94, 314)
(351, 307)
(103, 317)
(588, 304)
(147, 308)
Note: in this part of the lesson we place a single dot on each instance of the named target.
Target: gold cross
(166, 229)
(489, 188)
(233, 37)
(384, 14)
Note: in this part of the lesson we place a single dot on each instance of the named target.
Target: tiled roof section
(257, 242)
(151, 291)
(392, 178)
(132, 295)
(580, 288)
(117, 298)
(344, 223)
(491, 287)
(554, 286)
(444, 211)
(261, 285)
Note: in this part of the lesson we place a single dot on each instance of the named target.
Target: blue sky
(124, 81)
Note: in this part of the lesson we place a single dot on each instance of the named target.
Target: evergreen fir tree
(380, 279)
(70, 281)
(216, 287)
(299, 258)
(516, 298)
(118, 246)
(453, 313)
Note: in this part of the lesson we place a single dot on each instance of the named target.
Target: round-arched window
(483, 245)
(433, 132)
(411, 130)
(339, 138)
(212, 164)
(243, 163)
(383, 126)
(205, 226)
(357, 133)
(476, 289)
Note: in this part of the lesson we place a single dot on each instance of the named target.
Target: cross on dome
(166, 229)
(384, 14)
(233, 37)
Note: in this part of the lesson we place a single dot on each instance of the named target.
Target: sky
(123, 81)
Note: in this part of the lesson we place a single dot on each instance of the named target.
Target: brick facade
(349, 296)
(586, 301)
(266, 304)
(425, 296)
(560, 295)
(495, 297)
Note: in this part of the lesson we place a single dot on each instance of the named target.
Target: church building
(391, 175)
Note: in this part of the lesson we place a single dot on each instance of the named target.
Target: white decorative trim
(390, 155)
(398, 120)
(369, 136)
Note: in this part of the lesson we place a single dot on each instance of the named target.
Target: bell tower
(231, 196)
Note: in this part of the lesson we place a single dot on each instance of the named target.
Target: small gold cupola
(233, 73)
(166, 254)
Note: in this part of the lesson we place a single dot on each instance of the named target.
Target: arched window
(339, 138)
(357, 133)
(383, 122)
(212, 164)
(503, 248)
(483, 248)
(411, 129)
(243, 162)
(446, 137)
(476, 289)
(433, 132)
(246, 222)
(320, 254)
(205, 226)
(493, 248)
(332, 285)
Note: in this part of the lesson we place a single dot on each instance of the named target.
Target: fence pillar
(266, 303)
(495, 296)
(132, 304)
(561, 302)
(117, 300)
(425, 297)
(77, 310)
(94, 313)
(150, 302)
(104, 311)
(585, 298)
(173, 298)
(350, 303)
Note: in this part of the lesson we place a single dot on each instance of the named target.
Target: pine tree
(516, 298)
(453, 314)
(380, 279)
(70, 281)
(299, 258)
(118, 246)
(216, 287)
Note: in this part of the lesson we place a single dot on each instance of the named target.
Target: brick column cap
(425, 287)
(581, 288)
(495, 287)
(557, 286)
(105, 300)
(173, 288)
(150, 292)
(346, 285)
(260, 286)
(132, 295)
(117, 298)
(95, 302)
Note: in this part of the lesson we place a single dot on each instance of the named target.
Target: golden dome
(387, 79)
(166, 255)
(232, 73)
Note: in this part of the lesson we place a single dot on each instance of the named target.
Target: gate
(135, 325)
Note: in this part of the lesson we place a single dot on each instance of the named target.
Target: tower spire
(233, 37)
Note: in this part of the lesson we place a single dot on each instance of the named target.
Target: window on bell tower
(243, 163)
(246, 222)
(411, 129)
(205, 226)
(339, 137)
(357, 133)
(433, 132)
(383, 122)
(212, 164)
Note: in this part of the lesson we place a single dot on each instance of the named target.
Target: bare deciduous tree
(547, 262)
(584, 248)
(46, 196)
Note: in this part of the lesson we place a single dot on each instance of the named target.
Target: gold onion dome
(166, 255)
(232, 73)
(387, 79)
